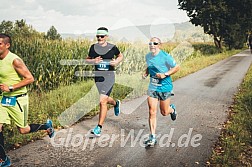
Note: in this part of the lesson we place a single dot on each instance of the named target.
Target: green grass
(235, 145)
(51, 104)
(46, 105)
(199, 61)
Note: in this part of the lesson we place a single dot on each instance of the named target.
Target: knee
(103, 101)
(164, 113)
(21, 130)
(24, 130)
(152, 113)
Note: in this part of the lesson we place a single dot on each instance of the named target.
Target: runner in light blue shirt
(160, 66)
(160, 63)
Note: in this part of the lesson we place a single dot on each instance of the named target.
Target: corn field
(44, 59)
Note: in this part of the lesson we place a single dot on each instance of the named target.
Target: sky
(82, 16)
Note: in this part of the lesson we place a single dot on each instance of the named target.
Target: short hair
(6, 38)
(159, 40)
(103, 28)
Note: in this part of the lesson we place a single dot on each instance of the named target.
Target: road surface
(202, 101)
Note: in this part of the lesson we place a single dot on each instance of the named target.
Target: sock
(36, 127)
(2, 151)
(172, 110)
(100, 126)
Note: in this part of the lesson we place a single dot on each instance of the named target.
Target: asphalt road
(202, 101)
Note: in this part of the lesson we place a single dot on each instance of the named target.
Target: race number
(8, 101)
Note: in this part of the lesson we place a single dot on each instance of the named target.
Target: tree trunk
(218, 42)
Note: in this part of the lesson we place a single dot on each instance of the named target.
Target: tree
(226, 20)
(21, 29)
(239, 22)
(18, 29)
(6, 27)
(206, 13)
(52, 34)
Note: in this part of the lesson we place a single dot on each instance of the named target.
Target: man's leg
(4, 119)
(152, 103)
(33, 128)
(105, 89)
(48, 126)
(104, 85)
(103, 108)
(111, 101)
(2, 151)
(102, 115)
(19, 115)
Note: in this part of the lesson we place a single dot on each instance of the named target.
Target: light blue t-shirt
(160, 63)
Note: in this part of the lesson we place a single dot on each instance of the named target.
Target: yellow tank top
(9, 76)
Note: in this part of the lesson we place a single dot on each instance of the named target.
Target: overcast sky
(80, 16)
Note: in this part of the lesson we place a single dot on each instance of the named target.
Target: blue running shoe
(96, 131)
(5, 163)
(151, 141)
(174, 113)
(50, 129)
(117, 108)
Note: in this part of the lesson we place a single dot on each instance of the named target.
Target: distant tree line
(228, 21)
(19, 28)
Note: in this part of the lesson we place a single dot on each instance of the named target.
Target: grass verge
(234, 147)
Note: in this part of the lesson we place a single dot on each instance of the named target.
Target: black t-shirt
(107, 53)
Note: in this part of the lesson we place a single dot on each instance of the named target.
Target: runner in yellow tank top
(14, 77)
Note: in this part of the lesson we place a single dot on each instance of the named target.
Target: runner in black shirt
(105, 56)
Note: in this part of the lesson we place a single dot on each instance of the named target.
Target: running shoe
(96, 131)
(174, 113)
(50, 129)
(151, 141)
(5, 163)
(117, 109)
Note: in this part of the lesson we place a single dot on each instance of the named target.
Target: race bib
(155, 81)
(8, 101)
(103, 66)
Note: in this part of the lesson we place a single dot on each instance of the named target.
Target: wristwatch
(11, 88)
